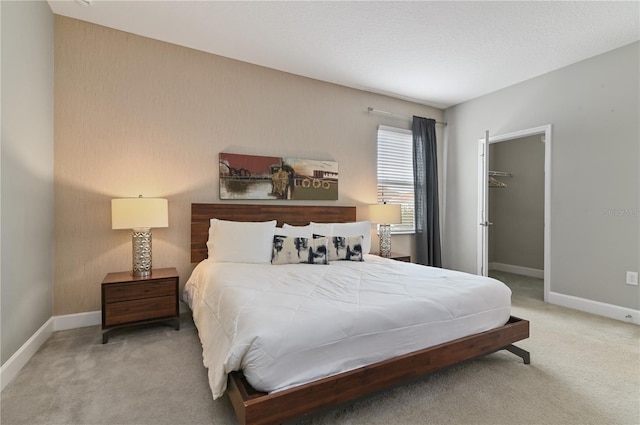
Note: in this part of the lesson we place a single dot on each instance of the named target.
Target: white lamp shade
(385, 214)
(134, 213)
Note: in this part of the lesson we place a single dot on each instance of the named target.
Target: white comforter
(291, 324)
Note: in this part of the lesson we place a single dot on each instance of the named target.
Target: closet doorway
(514, 204)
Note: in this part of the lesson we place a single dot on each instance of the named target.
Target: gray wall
(517, 211)
(26, 282)
(593, 107)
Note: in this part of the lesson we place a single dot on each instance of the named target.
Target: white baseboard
(582, 304)
(14, 365)
(595, 307)
(78, 320)
(523, 271)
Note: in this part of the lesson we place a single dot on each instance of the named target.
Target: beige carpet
(585, 370)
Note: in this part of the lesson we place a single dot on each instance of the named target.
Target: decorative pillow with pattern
(289, 250)
(296, 250)
(346, 248)
(318, 251)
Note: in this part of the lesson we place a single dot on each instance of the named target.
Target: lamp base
(385, 240)
(141, 239)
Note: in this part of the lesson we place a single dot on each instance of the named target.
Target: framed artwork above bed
(270, 177)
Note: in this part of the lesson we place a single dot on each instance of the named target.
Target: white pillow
(357, 228)
(322, 229)
(295, 231)
(240, 242)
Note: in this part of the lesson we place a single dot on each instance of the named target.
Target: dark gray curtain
(427, 215)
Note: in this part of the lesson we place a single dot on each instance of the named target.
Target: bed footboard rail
(257, 408)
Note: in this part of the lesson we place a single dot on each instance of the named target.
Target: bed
(287, 387)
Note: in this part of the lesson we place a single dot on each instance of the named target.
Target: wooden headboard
(296, 215)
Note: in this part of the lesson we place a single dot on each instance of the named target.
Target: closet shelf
(495, 182)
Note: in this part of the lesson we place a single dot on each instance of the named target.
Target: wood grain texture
(256, 408)
(296, 215)
(129, 299)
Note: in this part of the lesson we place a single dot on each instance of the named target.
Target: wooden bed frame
(257, 408)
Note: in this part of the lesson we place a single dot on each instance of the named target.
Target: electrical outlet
(632, 278)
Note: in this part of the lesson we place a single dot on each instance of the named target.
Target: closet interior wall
(517, 209)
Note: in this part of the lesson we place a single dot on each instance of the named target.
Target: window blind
(395, 173)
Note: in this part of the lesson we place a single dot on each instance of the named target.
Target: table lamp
(140, 214)
(385, 215)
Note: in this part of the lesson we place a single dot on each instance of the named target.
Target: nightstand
(129, 300)
(400, 257)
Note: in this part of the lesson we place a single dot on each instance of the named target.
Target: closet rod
(410, 118)
(500, 174)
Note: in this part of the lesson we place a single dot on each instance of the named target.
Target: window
(395, 173)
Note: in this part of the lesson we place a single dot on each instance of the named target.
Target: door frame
(483, 161)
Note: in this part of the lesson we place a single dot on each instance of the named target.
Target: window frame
(394, 146)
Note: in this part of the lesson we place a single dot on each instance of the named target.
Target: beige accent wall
(139, 116)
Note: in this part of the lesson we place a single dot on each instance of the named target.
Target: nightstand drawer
(133, 300)
(141, 309)
(133, 291)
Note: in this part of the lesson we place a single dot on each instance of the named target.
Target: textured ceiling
(435, 53)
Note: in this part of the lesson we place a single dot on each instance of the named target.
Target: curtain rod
(410, 118)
